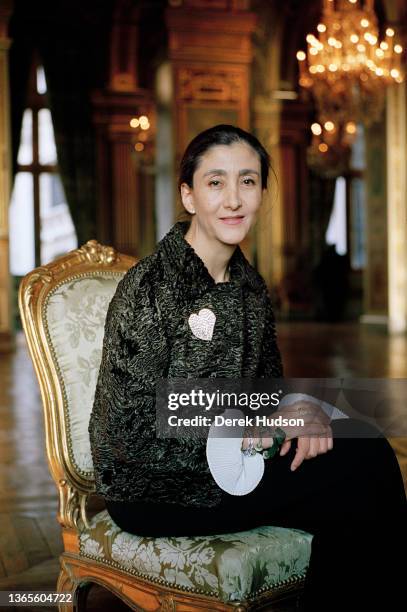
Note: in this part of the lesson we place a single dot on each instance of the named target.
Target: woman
(347, 495)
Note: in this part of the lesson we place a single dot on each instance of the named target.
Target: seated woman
(350, 495)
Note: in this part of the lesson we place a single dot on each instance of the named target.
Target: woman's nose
(233, 198)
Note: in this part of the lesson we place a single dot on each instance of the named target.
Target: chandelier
(348, 70)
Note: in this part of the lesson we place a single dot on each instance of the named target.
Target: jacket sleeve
(270, 363)
(122, 425)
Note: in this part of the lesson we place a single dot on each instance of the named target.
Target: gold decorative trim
(41, 275)
(96, 253)
(167, 604)
(72, 506)
(199, 85)
(92, 260)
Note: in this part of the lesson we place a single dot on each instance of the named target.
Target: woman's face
(226, 193)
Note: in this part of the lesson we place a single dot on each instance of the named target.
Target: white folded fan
(232, 470)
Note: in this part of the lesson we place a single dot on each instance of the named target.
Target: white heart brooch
(202, 324)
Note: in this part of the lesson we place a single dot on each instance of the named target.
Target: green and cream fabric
(75, 316)
(231, 566)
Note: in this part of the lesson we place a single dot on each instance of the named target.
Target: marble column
(5, 181)
(397, 237)
(270, 227)
(397, 208)
(375, 276)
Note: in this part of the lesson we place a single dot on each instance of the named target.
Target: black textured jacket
(147, 337)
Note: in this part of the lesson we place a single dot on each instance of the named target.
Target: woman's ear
(187, 198)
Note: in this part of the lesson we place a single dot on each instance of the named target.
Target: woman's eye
(246, 181)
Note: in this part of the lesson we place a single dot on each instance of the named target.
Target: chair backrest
(63, 307)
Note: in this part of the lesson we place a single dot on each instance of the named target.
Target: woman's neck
(215, 255)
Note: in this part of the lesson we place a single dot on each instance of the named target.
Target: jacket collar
(186, 268)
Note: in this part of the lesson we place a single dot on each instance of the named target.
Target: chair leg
(76, 592)
(66, 586)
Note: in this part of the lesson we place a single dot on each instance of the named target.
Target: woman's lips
(232, 220)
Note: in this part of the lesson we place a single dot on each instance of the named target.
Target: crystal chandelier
(347, 69)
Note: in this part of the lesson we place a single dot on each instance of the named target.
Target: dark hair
(222, 134)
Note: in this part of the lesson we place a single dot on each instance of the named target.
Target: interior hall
(98, 101)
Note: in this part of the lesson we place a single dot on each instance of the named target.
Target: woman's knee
(366, 438)
(355, 428)
(362, 441)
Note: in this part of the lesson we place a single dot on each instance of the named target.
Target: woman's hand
(308, 446)
(314, 437)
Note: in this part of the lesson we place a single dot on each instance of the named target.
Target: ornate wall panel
(126, 185)
(210, 52)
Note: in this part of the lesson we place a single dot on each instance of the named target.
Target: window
(41, 226)
(336, 232)
(347, 225)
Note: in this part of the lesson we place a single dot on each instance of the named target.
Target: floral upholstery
(75, 315)
(231, 566)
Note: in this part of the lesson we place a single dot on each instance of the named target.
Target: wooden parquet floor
(30, 540)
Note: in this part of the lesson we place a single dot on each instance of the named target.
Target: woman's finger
(313, 447)
(301, 452)
(323, 445)
(330, 438)
(285, 447)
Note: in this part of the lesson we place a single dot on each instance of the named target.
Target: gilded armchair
(63, 307)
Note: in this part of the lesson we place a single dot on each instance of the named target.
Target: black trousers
(351, 499)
